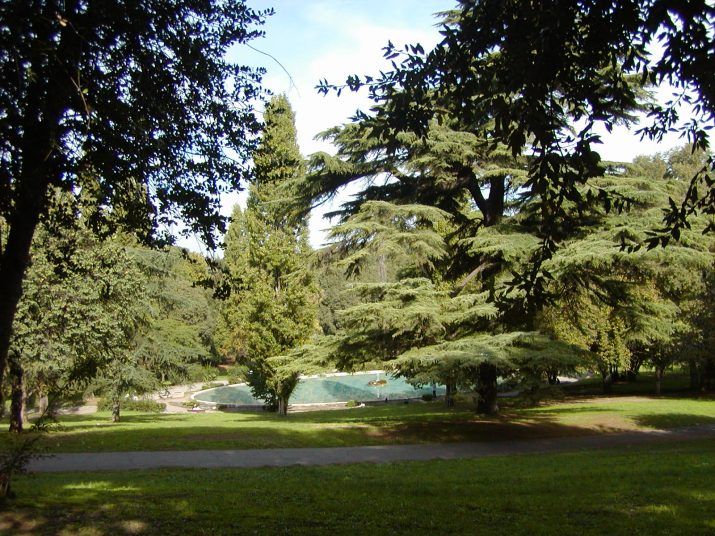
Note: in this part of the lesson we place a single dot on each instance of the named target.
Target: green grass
(377, 425)
(662, 489)
(675, 382)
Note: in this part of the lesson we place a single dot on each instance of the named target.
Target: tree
(538, 77)
(424, 326)
(132, 105)
(181, 313)
(629, 308)
(273, 303)
(81, 305)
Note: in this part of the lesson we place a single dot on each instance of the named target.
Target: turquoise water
(325, 390)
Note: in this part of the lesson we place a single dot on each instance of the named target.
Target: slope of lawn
(662, 489)
(387, 424)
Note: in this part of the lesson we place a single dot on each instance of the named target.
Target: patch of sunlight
(657, 509)
(99, 486)
(83, 531)
(134, 526)
(19, 523)
(183, 507)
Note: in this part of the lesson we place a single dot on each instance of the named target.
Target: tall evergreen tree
(273, 303)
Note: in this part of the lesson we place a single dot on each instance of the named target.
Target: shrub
(200, 373)
(146, 406)
(352, 404)
(236, 374)
(427, 397)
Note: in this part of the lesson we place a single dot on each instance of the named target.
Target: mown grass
(675, 383)
(377, 425)
(661, 489)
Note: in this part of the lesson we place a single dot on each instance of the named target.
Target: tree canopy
(538, 77)
(133, 106)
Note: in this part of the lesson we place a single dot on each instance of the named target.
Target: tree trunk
(17, 396)
(282, 406)
(44, 104)
(382, 268)
(659, 371)
(634, 366)
(2, 400)
(487, 389)
(615, 375)
(116, 408)
(709, 367)
(607, 381)
(449, 394)
(43, 402)
(694, 375)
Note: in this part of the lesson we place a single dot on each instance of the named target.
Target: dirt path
(119, 461)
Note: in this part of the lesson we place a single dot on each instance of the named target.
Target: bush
(427, 397)
(200, 373)
(352, 404)
(146, 406)
(236, 374)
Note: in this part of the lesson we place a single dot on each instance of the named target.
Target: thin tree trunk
(17, 396)
(116, 408)
(487, 389)
(382, 268)
(449, 394)
(43, 402)
(659, 371)
(694, 376)
(607, 381)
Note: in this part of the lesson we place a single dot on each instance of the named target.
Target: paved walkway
(111, 461)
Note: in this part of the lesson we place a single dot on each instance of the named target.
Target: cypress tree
(273, 303)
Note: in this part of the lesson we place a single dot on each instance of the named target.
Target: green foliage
(75, 318)
(273, 303)
(524, 73)
(182, 322)
(134, 110)
(196, 372)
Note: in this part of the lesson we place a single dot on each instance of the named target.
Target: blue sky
(315, 39)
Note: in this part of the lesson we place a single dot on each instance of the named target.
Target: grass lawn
(674, 382)
(662, 489)
(387, 424)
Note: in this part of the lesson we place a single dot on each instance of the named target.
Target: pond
(363, 387)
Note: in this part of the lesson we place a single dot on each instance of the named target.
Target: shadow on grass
(572, 410)
(672, 420)
(674, 383)
(390, 424)
(514, 495)
(287, 434)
